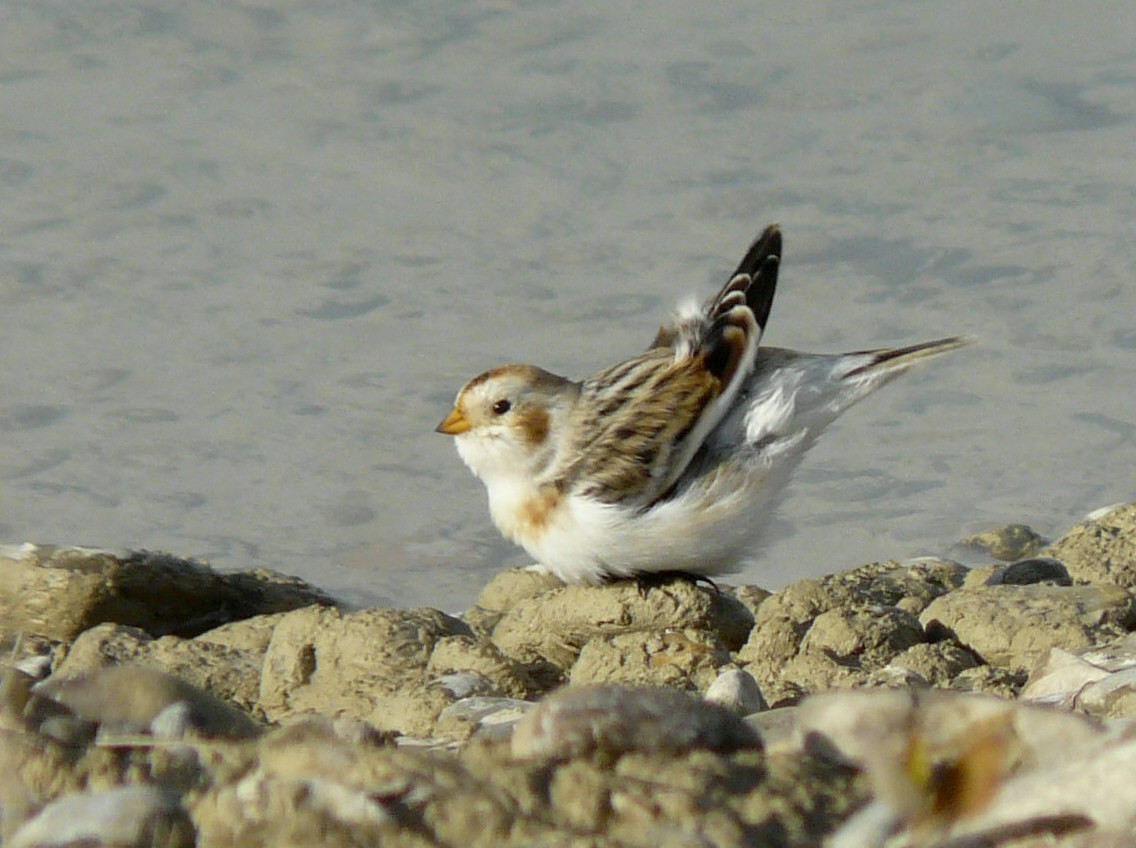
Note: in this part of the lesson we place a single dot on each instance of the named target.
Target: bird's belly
(586, 541)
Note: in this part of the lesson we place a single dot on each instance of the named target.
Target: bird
(672, 461)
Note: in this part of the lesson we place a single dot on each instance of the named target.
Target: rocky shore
(146, 700)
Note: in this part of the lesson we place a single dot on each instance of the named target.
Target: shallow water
(247, 256)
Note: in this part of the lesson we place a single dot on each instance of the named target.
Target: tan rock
(467, 653)
(129, 698)
(555, 625)
(938, 663)
(61, 591)
(1007, 543)
(838, 630)
(682, 659)
(370, 665)
(228, 673)
(1015, 626)
(1101, 549)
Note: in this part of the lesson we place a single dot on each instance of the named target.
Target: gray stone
(130, 698)
(737, 691)
(615, 719)
(123, 817)
(1026, 572)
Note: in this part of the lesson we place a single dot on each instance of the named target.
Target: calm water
(247, 256)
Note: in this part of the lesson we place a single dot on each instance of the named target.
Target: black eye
(502, 406)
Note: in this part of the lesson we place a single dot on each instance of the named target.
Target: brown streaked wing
(631, 421)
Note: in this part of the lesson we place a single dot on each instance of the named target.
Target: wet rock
(1014, 626)
(372, 665)
(123, 817)
(61, 591)
(554, 626)
(129, 698)
(614, 719)
(1101, 549)
(1027, 572)
(1008, 543)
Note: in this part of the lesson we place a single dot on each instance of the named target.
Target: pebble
(616, 719)
(123, 817)
(737, 691)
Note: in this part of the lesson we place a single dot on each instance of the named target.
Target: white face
(503, 420)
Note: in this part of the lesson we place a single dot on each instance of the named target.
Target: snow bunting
(674, 459)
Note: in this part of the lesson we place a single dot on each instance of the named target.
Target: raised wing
(639, 423)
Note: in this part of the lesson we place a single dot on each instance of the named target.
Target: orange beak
(453, 424)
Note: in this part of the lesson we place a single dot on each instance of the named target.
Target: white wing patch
(770, 415)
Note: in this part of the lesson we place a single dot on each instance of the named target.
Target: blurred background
(249, 253)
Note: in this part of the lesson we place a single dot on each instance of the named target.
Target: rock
(467, 684)
(862, 725)
(127, 699)
(1098, 681)
(1008, 543)
(372, 665)
(553, 627)
(456, 654)
(615, 719)
(229, 673)
(512, 585)
(122, 817)
(1101, 549)
(1112, 696)
(1015, 626)
(836, 630)
(737, 691)
(936, 663)
(1026, 572)
(61, 591)
(249, 635)
(865, 638)
(491, 717)
(682, 659)
(989, 680)
(1059, 678)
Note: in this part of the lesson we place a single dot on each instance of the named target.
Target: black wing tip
(761, 265)
(766, 245)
